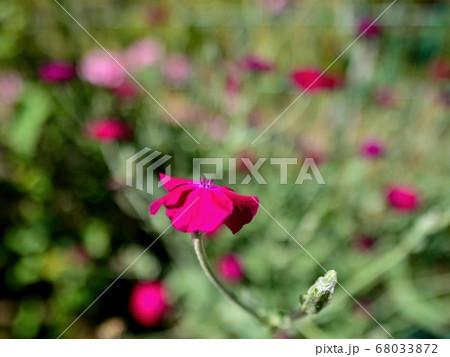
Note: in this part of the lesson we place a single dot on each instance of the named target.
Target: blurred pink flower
(274, 6)
(254, 63)
(372, 148)
(371, 31)
(402, 197)
(385, 97)
(439, 69)
(108, 129)
(57, 71)
(233, 82)
(310, 79)
(363, 243)
(149, 303)
(176, 69)
(11, 86)
(99, 69)
(142, 54)
(203, 207)
(126, 90)
(230, 268)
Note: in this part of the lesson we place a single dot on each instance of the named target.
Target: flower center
(205, 183)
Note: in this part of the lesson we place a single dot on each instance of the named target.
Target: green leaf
(26, 129)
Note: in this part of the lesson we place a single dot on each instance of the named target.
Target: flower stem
(197, 241)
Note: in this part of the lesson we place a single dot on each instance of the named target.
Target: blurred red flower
(57, 71)
(402, 197)
(109, 129)
(439, 69)
(312, 80)
(363, 243)
(149, 303)
(203, 207)
(230, 268)
(372, 148)
(126, 90)
(254, 63)
(368, 29)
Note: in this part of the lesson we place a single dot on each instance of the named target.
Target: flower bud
(319, 294)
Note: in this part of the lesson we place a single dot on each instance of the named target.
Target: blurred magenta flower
(368, 29)
(363, 243)
(99, 69)
(230, 268)
(402, 197)
(310, 79)
(126, 90)
(372, 148)
(11, 86)
(254, 63)
(108, 129)
(149, 303)
(233, 83)
(439, 69)
(142, 54)
(57, 71)
(203, 207)
(274, 6)
(177, 69)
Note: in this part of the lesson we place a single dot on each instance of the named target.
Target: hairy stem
(269, 318)
(197, 241)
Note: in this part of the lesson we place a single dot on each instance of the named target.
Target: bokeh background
(377, 125)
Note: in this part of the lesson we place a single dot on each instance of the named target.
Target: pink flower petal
(205, 214)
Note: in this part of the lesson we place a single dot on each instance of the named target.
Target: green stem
(271, 319)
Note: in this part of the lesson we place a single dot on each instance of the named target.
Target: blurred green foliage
(70, 226)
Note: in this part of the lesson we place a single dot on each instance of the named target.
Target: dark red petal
(245, 208)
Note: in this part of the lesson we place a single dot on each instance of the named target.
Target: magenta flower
(126, 90)
(230, 268)
(177, 69)
(203, 207)
(256, 64)
(310, 79)
(149, 303)
(58, 71)
(99, 69)
(402, 198)
(142, 54)
(109, 129)
(371, 30)
(363, 243)
(372, 148)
